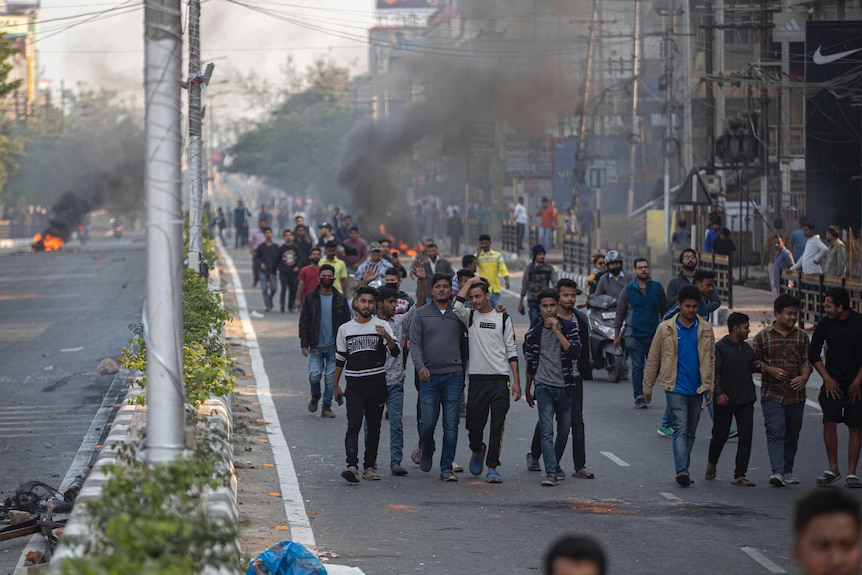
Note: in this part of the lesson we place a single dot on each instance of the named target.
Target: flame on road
(47, 243)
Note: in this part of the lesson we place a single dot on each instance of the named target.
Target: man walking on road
(267, 257)
(547, 222)
(363, 344)
(682, 354)
(814, 254)
(521, 220)
(493, 353)
(782, 349)
(324, 311)
(641, 305)
(836, 257)
(375, 267)
(257, 237)
(241, 216)
(288, 270)
(330, 250)
(309, 276)
(551, 349)
(841, 394)
(734, 397)
(798, 240)
(783, 261)
(434, 264)
(688, 260)
(492, 267)
(436, 336)
(538, 275)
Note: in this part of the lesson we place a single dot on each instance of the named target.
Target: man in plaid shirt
(782, 350)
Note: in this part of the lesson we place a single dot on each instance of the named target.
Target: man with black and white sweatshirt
(492, 353)
(361, 349)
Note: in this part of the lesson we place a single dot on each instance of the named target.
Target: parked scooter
(601, 311)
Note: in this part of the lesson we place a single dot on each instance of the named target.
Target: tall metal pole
(718, 64)
(580, 154)
(687, 128)
(163, 45)
(195, 138)
(634, 137)
(668, 118)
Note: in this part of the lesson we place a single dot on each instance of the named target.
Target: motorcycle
(601, 311)
(83, 233)
(116, 228)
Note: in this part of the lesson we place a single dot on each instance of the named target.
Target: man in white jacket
(815, 252)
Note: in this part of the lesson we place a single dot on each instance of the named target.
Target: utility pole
(196, 166)
(163, 44)
(580, 154)
(669, 106)
(784, 127)
(687, 156)
(635, 136)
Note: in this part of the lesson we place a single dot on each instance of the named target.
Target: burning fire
(46, 242)
(403, 246)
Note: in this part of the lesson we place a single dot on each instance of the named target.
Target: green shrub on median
(206, 364)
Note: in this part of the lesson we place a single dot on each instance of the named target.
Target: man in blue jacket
(551, 349)
(641, 306)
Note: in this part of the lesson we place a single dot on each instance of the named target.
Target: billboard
(408, 4)
(833, 55)
(563, 164)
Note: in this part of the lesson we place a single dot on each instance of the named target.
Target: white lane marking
(82, 458)
(762, 559)
(294, 506)
(808, 402)
(71, 349)
(670, 496)
(614, 458)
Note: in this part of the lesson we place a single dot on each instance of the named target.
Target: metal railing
(810, 290)
(509, 236)
(576, 254)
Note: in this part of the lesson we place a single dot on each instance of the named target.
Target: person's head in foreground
(575, 555)
(826, 534)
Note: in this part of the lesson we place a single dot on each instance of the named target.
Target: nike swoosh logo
(822, 60)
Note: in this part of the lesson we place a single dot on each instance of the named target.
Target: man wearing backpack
(492, 353)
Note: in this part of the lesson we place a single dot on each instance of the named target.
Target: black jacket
(734, 364)
(585, 367)
(309, 316)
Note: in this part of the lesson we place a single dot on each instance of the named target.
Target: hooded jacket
(734, 364)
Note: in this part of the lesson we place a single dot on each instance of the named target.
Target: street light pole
(163, 45)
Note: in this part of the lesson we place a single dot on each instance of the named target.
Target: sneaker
(448, 476)
(683, 479)
(789, 479)
(640, 403)
(416, 456)
(370, 474)
(493, 476)
(561, 475)
(533, 463)
(550, 481)
(665, 431)
(425, 463)
(477, 462)
(327, 413)
(398, 471)
(777, 481)
(828, 478)
(351, 474)
(733, 433)
(312, 405)
(457, 468)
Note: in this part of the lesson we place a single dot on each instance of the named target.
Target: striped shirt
(362, 352)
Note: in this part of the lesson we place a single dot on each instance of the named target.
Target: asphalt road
(646, 522)
(60, 314)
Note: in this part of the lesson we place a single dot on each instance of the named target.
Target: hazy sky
(108, 50)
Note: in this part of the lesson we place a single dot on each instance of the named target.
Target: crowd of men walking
(356, 320)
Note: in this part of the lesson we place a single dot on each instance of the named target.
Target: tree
(296, 146)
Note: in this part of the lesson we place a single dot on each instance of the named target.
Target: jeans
(443, 389)
(579, 450)
(288, 281)
(533, 310)
(268, 287)
(519, 243)
(744, 415)
(496, 299)
(783, 423)
(484, 397)
(364, 401)
(666, 417)
(685, 410)
(546, 237)
(637, 349)
(395, 407)
(320, 362)
(554, 403)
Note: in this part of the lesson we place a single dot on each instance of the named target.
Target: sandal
(743, 482)
(828, 478)
(853, 482)
(710, 471)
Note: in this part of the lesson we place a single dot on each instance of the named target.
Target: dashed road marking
(615, 459)
(670, 496)
(762, 559)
